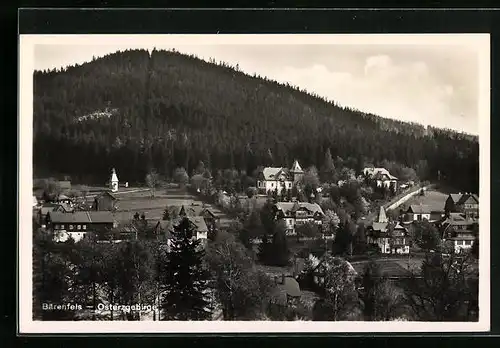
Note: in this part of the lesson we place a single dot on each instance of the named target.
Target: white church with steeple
(113, 182)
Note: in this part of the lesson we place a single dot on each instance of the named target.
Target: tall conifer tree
(187, 280)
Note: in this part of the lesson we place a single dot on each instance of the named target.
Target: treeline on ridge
(165, 110)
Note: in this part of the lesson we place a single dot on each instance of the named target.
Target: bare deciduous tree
(152, 180)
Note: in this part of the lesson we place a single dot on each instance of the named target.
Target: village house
(46, 208)
(382, 177)
(78, 224)
(211, 220)
(390, 237)
(420, 212)
(287, 290)
(164, 228)
(466, 203)
(128, 231)
(195, 217)
(279, 178)
(325, 265)
(459, 230)
(105, 201)
(297, 213)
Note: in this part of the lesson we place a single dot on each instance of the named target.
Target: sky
(430, 84)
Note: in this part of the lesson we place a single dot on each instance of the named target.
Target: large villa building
(279, 178)
(298, 213)
(465, 203)
(382, 177)
(390, 237)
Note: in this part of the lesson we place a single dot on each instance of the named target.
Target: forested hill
(134, 110)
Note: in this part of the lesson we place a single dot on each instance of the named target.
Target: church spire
(296, 168)
(114, 181)
(382, 217)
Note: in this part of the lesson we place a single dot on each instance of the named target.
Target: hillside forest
(136, 110)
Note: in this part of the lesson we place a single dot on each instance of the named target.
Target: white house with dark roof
(460, 230)
(279, 178)
(78, 223)
(382, 177)
(420, 212)
(297, 213)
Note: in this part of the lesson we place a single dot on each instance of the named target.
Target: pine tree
(186, 285)
(328, 167)
(279, 247)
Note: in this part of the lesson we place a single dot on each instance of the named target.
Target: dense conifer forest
(136, 110)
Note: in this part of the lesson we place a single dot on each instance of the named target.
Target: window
(70, 227)
(272, 184)
(79, 227)
(419, 217)
(84, 227)
(289, 185)
(468, 242)
(62, 227)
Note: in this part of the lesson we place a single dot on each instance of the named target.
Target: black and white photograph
(254, 183)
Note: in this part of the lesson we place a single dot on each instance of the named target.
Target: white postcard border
(26, 59)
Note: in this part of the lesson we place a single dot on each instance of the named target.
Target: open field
(433, 198)
(133, 200)
(392, 266)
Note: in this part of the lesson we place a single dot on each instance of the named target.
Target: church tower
(382, 217)
(114, 181)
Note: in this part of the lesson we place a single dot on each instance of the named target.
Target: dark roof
(419, 209)
(64, 207)
(460, 198)
(466, 196)
(290, 287)
(458, 219)
(128, 228)
(189, 210)
(50, 207)
(165, 227)
(380, 228)
(197, 221)
(82, 217)
(105, 193)
(206, 210)
(292, 207)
